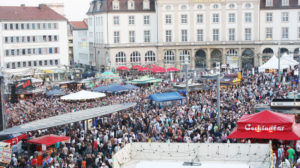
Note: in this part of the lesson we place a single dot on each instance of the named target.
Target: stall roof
(48, 140)
(166, 97)
(82, 95)
(67, 118)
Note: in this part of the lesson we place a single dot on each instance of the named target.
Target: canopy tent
(82, 95)
(55, 92)
(48, 140)
(272, 63)
(160, 97)
(123, 68)
(173, 69)
(131, 87)
(114, 88)
(144, 80)
(267, 125)
(102, 88)
(108, 75)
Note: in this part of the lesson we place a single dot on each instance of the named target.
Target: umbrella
(137, 67)
(144, 69)
(158, 70)
(123, 68)
(173, 69)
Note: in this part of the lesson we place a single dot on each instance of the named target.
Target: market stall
(272, 64)
(230, 81)
(145, 80)
(266, 125)
(82, 95)
(164, 99)
(55, 92)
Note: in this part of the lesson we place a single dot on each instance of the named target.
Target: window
(200, 35)
(215, 6)
(54, 26)
(11, 26)
(120, 58)
(231, 17)
(40, 63)
(24, 64)
(23, 51)
(6, 39)
(11, 39)
(284, 2)
(56, 50)
(5, 27)
(22, 26)
(6, 52)
(131, 20)
(13, 65)
(199, 18)
(146, 4)
(135, 57)
(55, 38)
(33, 51)
(168, 19)
(215, 34)
(12, 52)
(146, 36)
(231, 33)
(269, 17)
(115, 5)
(131, 4)
(33, 38)
(19, 64)
(56, 62)
(298, 32)
(29, 63)
(18, 52)
(184, 54)
(183, 19)
(8, 65)
(44, 38)
(131, 36)
(150, 57)
(50, 50)
(285, 16)
(33, 26)
(168, 35)
(299, 15)
(29, 51)
(215, 18)
(17, 39)
(269, 33)
(49, 38)
(248, 17)
(34, 63)
(17, 26)
(28, 26)
(45, 62)
(116, 20)
(116, 37)
(169, 57)
(146, 20)
(285, 33)
(247, 34)
(23, 39)
(40, 51)
(49, 25)
(184, 35)
(39, 26)
(269, 2)
(28, 39)
(248, 5)
(44, 26)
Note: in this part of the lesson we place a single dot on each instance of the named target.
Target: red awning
(122, 68)
(48, 140)
(137, 67)
(173, 69)
(144, 69)
(267, 125)
(158, 69)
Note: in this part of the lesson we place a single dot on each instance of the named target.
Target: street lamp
(278, 63)
(186, 63)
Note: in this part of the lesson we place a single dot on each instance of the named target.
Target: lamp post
(278, 63)
(186, 63)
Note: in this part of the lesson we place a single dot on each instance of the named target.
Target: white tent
(82, 95)
(272, 63)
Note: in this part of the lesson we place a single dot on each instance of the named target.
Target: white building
(79, 31)
(232, 32)
(33, 39)
(122, 32)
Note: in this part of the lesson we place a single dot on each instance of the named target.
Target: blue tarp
(131, 87)
(101, 89)
(166, 97)
(111, 88)
(55, 92)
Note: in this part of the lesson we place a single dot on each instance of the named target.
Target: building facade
(33, 39)
(200, 32)
(79, 31)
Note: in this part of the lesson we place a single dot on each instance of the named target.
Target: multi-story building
(122, 32)
(79, 30)
(33, 38)
(231, 32)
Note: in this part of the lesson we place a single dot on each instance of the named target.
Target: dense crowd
(192, 122)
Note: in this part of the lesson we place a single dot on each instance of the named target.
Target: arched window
(169, 57)
(135, 57)
(183, 7)
(120, 58)
(150, 57)
(185, 54)
(231, 6)
(199, 7)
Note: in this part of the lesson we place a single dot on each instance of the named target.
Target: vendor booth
(164, 99)
(144, 80)
(230, 81)
(272, 64)
(267, 125)
(82, 95)
(115, 88)
(48, 140)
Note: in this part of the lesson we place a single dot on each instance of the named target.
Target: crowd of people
(193, 122)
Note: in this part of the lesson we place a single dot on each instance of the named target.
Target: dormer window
(269, 2)
(131, 5)
(284, 2)
(91, 7)
(98, 6)
(116, 5)
(215, 6)
(146, 4)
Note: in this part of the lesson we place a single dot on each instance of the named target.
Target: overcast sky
(74, 9)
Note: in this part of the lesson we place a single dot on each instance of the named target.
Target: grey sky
(74, 9)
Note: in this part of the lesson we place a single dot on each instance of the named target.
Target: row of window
(212, 6)
(135, 57)
(131, 20)
(27, 64)
(215, 35)
(30, 26)
(284, 33)
(147, 36)
(130, 5)
(31, 51)
(270, 3)
(30, 39)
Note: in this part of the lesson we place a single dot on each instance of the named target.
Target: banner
(24, 84)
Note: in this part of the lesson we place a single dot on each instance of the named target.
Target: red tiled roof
(29, 13)
(79, 25)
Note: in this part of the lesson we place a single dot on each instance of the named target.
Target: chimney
(42, 6)
(22, 5)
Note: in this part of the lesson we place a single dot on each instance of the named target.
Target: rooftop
(24, 13)
(79, 25)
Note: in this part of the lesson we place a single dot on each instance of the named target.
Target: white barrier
(256, 155)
